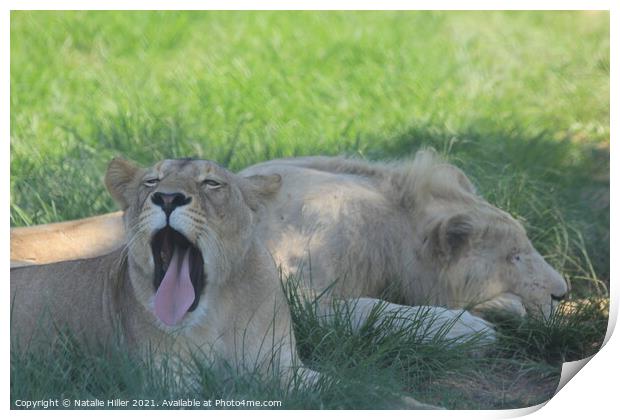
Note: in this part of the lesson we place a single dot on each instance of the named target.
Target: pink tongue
(176, 292)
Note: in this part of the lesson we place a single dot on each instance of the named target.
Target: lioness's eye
(151, 182)
(212, 184)
(515, 258)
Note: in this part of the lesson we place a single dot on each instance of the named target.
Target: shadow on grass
(558, 187)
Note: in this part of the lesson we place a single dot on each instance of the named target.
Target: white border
(310, 5)
(594, 391)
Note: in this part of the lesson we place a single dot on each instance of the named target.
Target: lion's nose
(558, 298)
(170, 201)
(561, 291)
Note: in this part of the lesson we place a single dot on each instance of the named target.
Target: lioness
(193, 276)
(416, 227)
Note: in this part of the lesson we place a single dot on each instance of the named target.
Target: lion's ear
(461, 179)
(258, 187)
(118, 178)
(450, 236)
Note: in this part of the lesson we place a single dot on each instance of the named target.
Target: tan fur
(84, 238)
(242, 315)
(417, 228)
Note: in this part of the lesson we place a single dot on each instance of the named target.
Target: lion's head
(186, 221)
(487, 261)
(479, 255)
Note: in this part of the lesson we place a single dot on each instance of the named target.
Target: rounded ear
(451, 235)
(258, 187)
(118, 178)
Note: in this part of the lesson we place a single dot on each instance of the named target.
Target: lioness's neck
(254, 256)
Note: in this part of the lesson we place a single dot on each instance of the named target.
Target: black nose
(554, 297)
(170, 201)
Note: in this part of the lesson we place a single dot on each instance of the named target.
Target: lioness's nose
(169, 201)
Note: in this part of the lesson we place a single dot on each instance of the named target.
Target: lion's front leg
(428, 323)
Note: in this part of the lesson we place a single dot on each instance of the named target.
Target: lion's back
(344, 222)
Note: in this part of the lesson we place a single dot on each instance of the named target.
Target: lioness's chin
(179, 276)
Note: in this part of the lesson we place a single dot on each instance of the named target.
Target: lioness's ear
(258, 187)
(451, 235)
(120, 174)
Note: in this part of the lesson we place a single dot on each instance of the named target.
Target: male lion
(415, 228)
(194, 275)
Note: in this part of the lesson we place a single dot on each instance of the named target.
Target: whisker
(200, 214)
(136, 232)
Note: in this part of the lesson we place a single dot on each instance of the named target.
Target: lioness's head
(188, 223)
(486, 259)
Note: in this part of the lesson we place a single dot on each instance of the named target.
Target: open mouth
(179, 275)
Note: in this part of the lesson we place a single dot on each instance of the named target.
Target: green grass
(519, 100)
(362, 369)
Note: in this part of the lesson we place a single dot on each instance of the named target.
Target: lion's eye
(515, 258)
(151, 182)
(211, 183)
